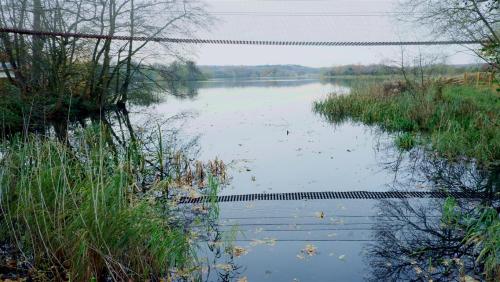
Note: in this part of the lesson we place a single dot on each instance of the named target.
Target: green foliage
(180, 72)
(456, 120)
(11, 108)
(76, 210)
(405, 141)
(482, 230)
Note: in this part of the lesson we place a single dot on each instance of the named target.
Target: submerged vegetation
(457, 121)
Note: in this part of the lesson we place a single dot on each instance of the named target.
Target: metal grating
(333, 195)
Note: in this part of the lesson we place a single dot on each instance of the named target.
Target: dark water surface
(272, 141)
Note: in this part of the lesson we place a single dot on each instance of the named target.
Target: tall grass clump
(481, 229)
(72, 213)
(457, 121)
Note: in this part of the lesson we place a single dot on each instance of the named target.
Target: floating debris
(310, 250)
(342, 257)
(238, 251)
(242, 279)
(320, 214)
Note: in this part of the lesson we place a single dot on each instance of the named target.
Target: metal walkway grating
(331, 195)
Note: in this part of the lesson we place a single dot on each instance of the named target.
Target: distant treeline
(380, 69)
(263, 71)
(183, 72)
(296, 71)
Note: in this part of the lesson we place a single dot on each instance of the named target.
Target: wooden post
(490, 79)
(465, 77)
(478, 76)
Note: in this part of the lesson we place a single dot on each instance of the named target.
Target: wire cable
(234, 42)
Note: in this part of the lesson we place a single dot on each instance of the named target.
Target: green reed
(73, 213)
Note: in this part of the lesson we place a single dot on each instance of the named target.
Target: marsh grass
(482, 232)
(72, 212)
(456, 121)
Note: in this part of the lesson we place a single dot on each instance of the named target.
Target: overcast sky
(314, 20)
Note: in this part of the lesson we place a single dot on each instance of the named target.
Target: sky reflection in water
(273, 142)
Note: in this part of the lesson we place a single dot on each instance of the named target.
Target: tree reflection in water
(410, 241)
(202, 220)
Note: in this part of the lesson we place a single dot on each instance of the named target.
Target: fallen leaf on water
(342, 257)
(310, 250)
(242, 279)
(300, 256)
(320, 214)
(239, 251)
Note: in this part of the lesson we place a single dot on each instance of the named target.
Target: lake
(271, 141)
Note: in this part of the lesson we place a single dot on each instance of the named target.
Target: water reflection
(411, 243)
(238, 83)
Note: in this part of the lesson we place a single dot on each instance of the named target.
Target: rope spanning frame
(235, 42)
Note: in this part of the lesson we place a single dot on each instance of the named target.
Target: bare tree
(477, 20)
(63, 73)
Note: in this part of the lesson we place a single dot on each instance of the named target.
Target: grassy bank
(456, 121)
(73, 213)
(481, 229)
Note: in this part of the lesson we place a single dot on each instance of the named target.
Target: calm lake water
(272, 141)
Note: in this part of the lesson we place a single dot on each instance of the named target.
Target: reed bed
(72, 213)
(455, 121)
